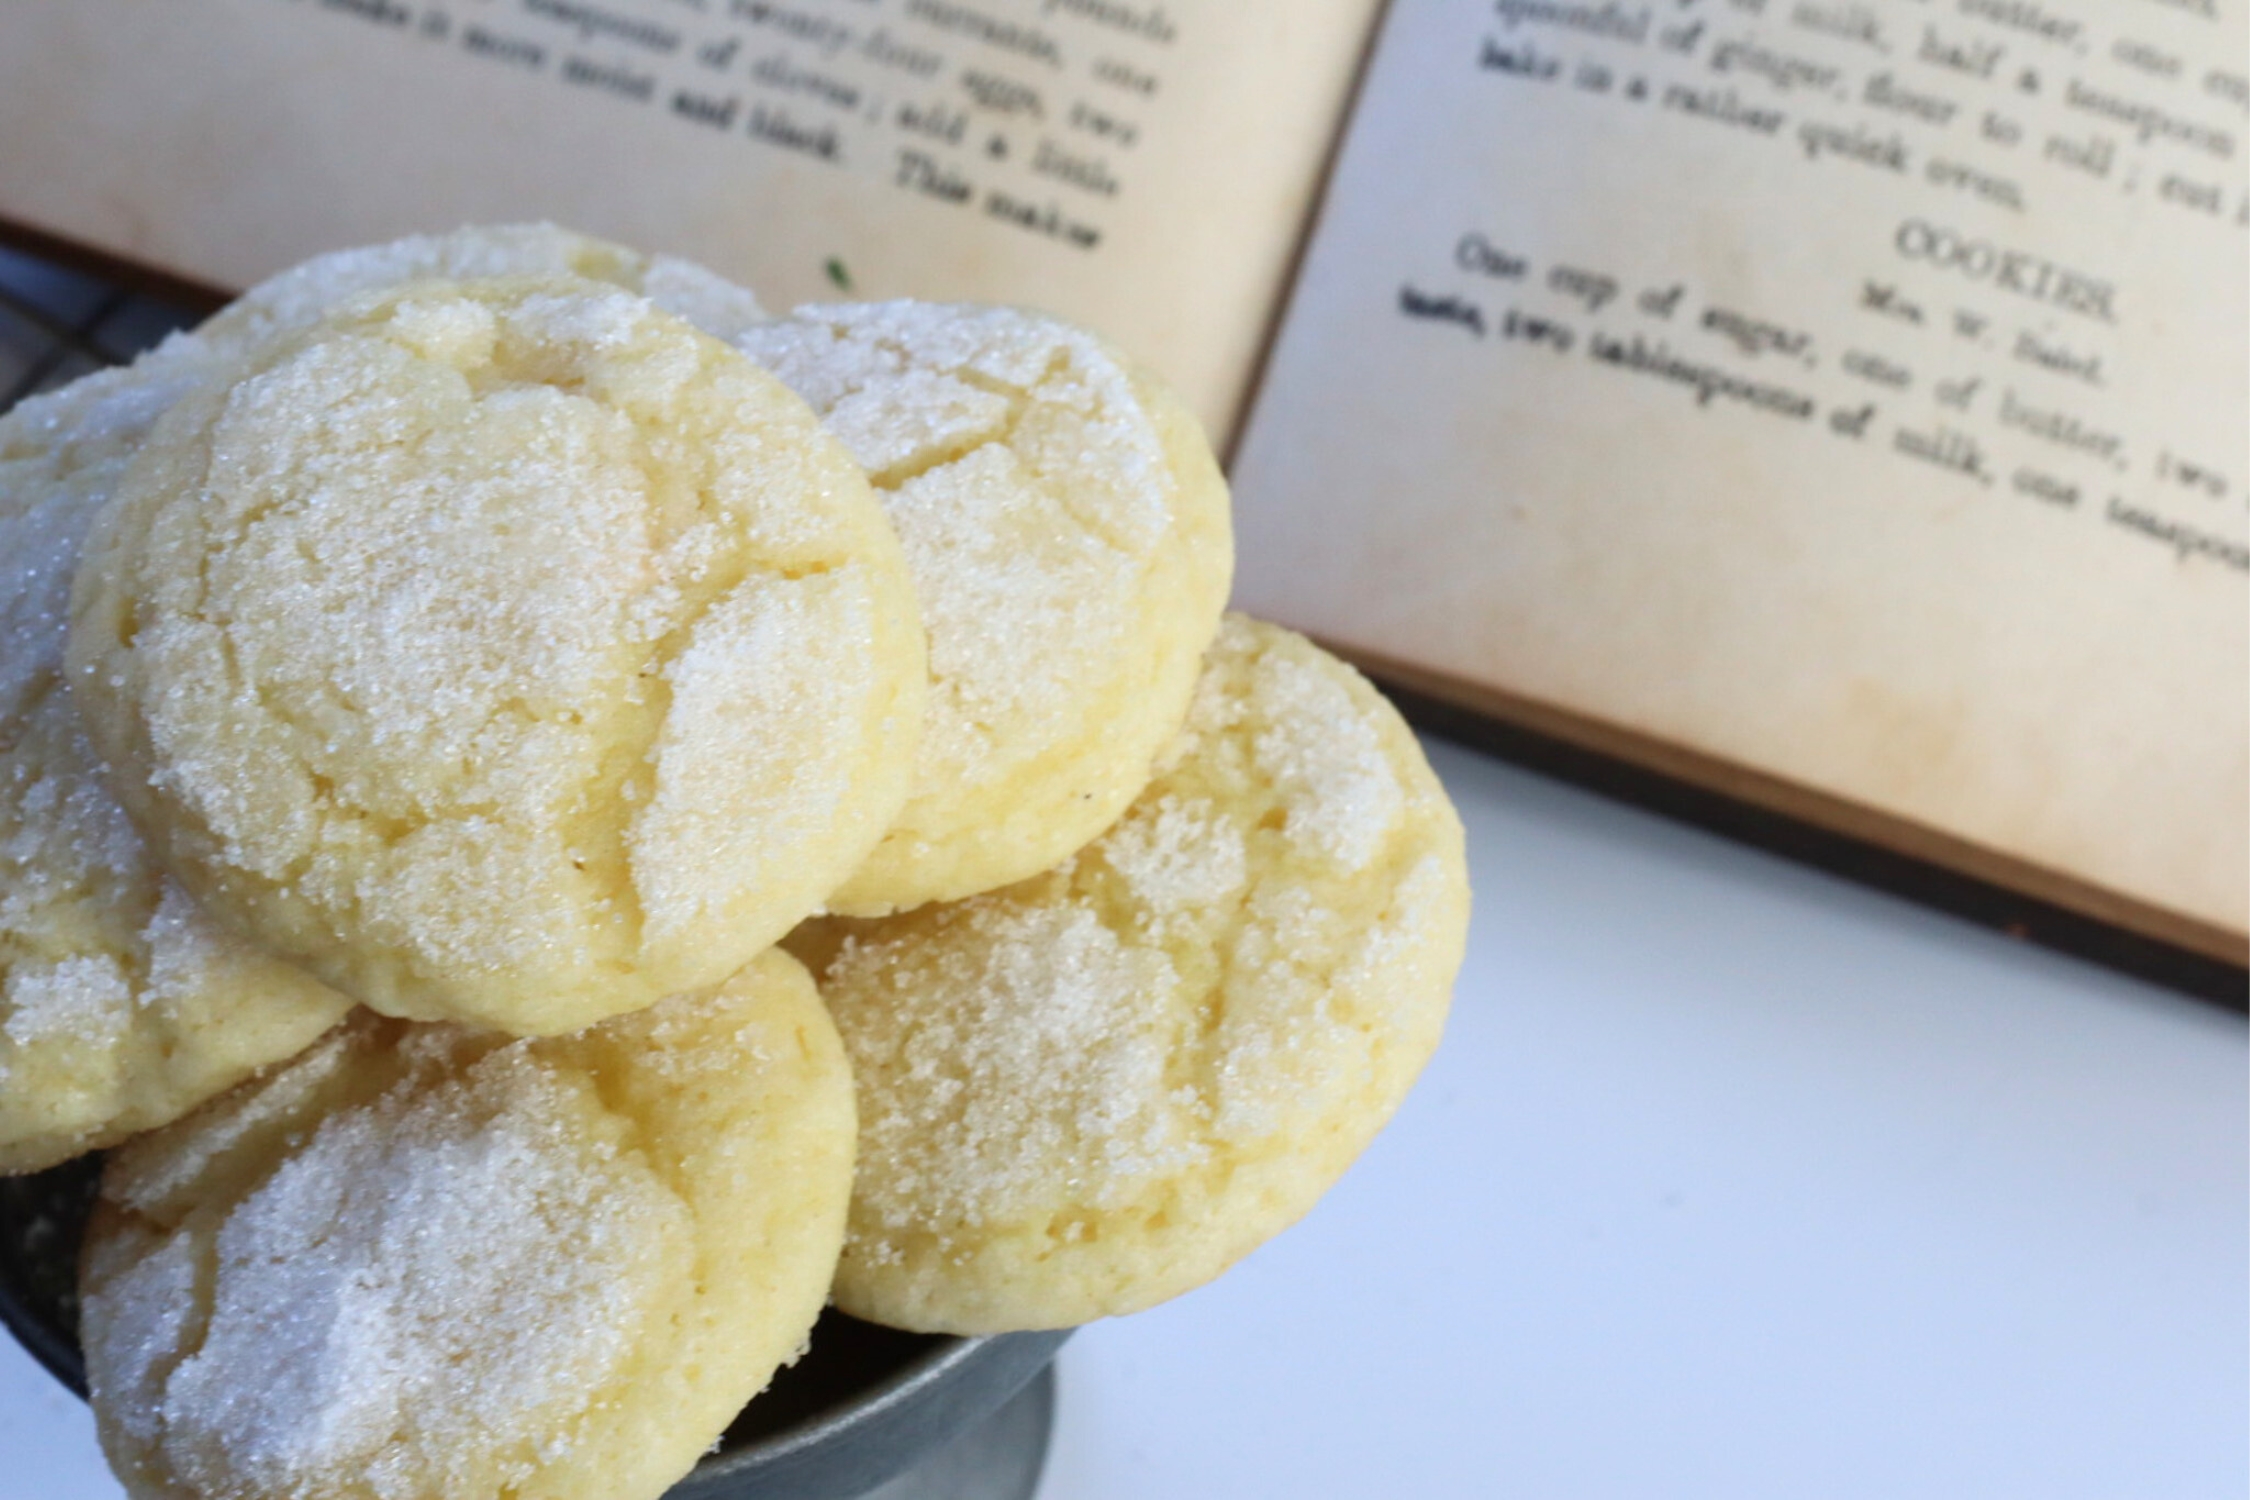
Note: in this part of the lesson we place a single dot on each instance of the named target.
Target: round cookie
(1099, 1088)
(298, 297)
(1068, 531)
(426, 1261)
(502, 651)
(122, 1006)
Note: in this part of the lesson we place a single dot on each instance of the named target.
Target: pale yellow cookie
(423, 1261)
(296, 298)
(121, 1005)
(1068, 531)
(1099, 1088)
(503, 651)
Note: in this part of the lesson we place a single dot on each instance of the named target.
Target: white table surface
(1730, 1180)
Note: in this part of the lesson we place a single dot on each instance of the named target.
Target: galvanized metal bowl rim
(949, 1361)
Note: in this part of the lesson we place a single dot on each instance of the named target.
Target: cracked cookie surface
(122, 1005)
(298, 297)
(1068, 532)
(1098, 1088)
(502, 651)
(423, 1261)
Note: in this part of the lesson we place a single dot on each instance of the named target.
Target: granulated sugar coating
(298, 297)
(121, 1005)
(428, 1262)
(1068, 531)
(1099, 1088)
(502, 651)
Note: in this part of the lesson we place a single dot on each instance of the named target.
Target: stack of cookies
(558, 823)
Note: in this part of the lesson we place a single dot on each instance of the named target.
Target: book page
(1851, 392)
(1142, 166)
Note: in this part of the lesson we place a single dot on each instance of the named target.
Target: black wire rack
(57, 324)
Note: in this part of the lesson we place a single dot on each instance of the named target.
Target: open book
(1839, 403)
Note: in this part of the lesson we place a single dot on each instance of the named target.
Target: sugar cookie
(297, 298)
(425, 1261)
(1100, 1087)
(503, 651)
(1068, 531)
(122, 1006)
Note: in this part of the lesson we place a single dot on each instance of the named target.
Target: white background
(1730, 1180)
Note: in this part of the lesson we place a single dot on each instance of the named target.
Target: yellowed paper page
(1852, 391)
(1143, 166)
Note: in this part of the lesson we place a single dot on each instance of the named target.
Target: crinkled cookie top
(503, 651)
(122, 1005)
(1098, 1088)
(1068, 530)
